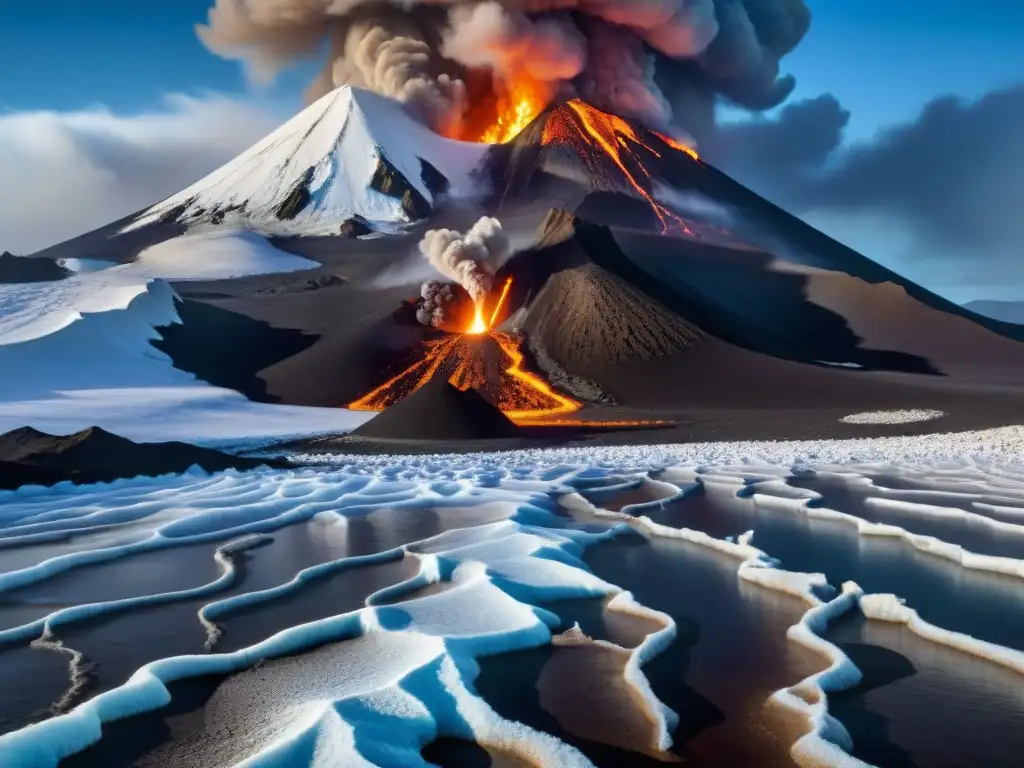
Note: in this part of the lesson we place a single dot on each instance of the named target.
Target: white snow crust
(892, 609)
(407, 674)
(216, 253)
(76, 353)
(908, 416)
(339, 139)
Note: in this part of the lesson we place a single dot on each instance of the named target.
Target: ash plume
(443, 57)
(471, 259)
(437, 297)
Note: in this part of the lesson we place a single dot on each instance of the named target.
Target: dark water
(925, 705)
(730, 654)
(145, 573)
(971, 533)
(987, 606)
(921, 704)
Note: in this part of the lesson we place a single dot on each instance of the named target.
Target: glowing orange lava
(463, 359)
(517, 108)
(562, 405)
(478, 358)
(501, 303)
(479, 325)
(617, 139)
(678, 145)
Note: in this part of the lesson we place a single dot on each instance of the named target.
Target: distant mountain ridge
(31, 457)
(1005, 311)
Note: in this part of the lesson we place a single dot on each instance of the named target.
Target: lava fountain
(518, 106)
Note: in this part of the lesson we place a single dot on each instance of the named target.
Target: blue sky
(884, 59)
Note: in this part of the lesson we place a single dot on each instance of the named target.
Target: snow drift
(81, 349)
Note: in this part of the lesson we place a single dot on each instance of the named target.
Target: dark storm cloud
(953, 177)
(956, 174)
(782, 157)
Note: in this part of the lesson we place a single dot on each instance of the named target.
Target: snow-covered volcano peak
(353, 158)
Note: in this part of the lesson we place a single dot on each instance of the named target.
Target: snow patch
(216, 253)
(893, 417)
(81, 349)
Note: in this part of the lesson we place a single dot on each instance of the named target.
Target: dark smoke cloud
(955, 173)
(437, 298)
(784, 156)
(951, 178)
(426, 52)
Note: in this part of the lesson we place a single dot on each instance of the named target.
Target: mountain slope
(351, 154)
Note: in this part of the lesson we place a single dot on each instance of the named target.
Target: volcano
(645, 285)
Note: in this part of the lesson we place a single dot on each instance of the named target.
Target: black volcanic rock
(297, 199)
(436, 181)
(355, 227)
(23, 269)
(440, 411)
(389, 181)
(28, 456)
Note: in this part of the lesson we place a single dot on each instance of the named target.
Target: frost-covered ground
(470, 559)
(76, 353)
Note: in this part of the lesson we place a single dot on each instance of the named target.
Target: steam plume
(442, 56)
(471, 259)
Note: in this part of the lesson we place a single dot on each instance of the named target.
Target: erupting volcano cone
(489, 362)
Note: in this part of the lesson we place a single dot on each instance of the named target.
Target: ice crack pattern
(352, 614)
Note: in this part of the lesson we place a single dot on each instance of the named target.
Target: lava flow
(479, 358)
(617, 139)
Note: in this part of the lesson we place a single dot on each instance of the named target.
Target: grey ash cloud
(443, 56)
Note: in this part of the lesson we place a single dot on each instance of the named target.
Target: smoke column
(661, 61)
(471, 259)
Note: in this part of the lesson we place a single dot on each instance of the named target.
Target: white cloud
(66, 173)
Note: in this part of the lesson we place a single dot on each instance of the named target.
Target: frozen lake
(517, 610)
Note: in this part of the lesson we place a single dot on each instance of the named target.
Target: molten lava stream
(465, 360)
(563, 405)
(614, 136)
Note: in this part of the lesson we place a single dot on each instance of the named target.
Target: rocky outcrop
(24, 269)
(31, 457)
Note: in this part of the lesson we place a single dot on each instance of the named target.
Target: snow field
(215, 253)
(497, 571)
(81, 349)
